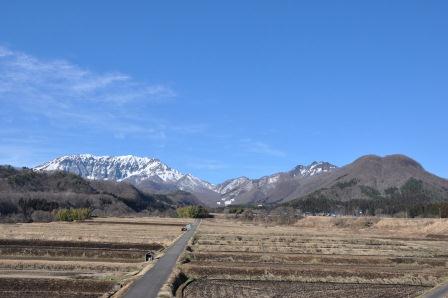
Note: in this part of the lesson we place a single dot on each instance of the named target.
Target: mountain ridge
(375, 177)
(151, 174)
(129, 168)
(270, 188)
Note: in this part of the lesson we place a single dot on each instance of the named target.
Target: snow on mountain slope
(231, 189)
(153, 175)
(315, 168)
(232, 184)
(126, 168)
(277, 186)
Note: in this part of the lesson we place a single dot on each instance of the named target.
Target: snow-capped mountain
(276, 187)
(140, 171)
(315, 168)
(319, 179)
(153, 175)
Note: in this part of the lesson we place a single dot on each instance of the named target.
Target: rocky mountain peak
(315, 168)
(130, 168)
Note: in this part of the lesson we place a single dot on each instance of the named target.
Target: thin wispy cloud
(258, 147)
(64, 84)
(70, 95)
(4, 52)
(60, 100)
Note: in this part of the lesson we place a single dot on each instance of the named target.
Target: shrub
(73, 214)
(81, 213)
(63, 215)
(192, 212)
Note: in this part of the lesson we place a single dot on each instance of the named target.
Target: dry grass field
(316, 257)
(79, 259)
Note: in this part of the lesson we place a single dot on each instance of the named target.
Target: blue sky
(225, 88)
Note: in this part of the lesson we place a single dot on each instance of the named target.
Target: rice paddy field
(79, 259)
(317, 257)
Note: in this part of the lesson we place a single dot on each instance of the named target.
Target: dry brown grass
(300, 259)
(365, 251)
(52, 287)
(78, 266)
(269, 289)
(149, 220)
(393, 227)
(88, 232)
(105, 251)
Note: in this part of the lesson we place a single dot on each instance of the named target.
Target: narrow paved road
(439, 292)
(150, 284)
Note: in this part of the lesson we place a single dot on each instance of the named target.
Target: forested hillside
(27, 195)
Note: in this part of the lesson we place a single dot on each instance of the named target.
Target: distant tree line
(411, 200)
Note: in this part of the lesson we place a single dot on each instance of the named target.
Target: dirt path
(150, 284)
